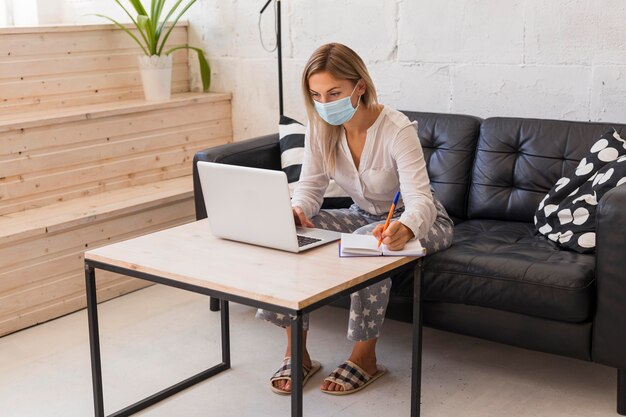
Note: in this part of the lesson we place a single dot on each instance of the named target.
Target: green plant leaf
(157, 9)
(156, 16)
(205, 69)
(152, 7)
(125, 30)
(134, 21)
(169, 14)
(143, 22)
(167, 35)
(138, 7)
(158, 27)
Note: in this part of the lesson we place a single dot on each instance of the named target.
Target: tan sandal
(284, 373)
(352, 378)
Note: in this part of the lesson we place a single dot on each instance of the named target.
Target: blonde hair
(342, 63)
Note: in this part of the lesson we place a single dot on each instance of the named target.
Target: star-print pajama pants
(368, 306)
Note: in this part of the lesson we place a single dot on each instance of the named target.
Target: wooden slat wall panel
(166, 163)
(95, 188)
(31, 104)
(73, 123)
(88, 63)
(87, 40)
(50, 292)
(116, 148)
(72, 241)
(35, 271)
(102, 171)
(53, 267)
(57, 162)
(67, 244)
(66, 305)
(88, 82)
(49, 138)
(54, 218)
(17, 69)
(19, 122)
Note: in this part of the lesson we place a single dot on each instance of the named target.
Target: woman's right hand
(300, 217)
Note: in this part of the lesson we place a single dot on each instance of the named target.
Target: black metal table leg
(296, 366)
(214, 303)
(416, 373)
(225, 318)
(94, 340)
(96, 367)
(621, 392)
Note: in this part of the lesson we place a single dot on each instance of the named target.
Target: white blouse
(392, 160)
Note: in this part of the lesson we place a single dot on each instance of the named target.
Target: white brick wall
(462, 31)
(561, 59)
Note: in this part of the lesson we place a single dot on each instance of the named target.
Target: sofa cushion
(567, 214)
(449, 143)
(291, 141)
(519, 160)
(505, 265)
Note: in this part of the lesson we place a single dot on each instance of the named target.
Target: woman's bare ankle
(364, 355)
(306, 358)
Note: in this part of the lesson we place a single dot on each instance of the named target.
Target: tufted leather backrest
(519, 160)
(449, 142)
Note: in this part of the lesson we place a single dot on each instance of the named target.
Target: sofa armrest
(261, 152)
(609, 327)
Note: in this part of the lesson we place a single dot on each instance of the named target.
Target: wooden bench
(85, 161)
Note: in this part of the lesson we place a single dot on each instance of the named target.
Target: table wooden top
(192, 255)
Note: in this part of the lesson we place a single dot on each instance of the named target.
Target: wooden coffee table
(190, 258)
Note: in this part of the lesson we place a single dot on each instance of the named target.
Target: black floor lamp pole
(280, 59)
(280, 53)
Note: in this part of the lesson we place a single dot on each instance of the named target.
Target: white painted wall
(6, 13)
(562, 59)
(30, 12)
(81, 11)
(25, 13)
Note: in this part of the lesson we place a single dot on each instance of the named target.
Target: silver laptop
(252, 205)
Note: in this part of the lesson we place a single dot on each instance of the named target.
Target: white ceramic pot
(156, 75)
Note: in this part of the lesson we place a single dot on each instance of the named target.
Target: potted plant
(156, 64)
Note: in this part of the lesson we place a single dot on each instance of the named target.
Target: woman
(371, 151)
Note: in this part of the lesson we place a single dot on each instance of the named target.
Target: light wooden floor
(157, 336)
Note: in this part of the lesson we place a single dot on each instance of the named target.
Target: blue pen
(391, 210)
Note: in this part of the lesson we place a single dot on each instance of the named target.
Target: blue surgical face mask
(337, 112)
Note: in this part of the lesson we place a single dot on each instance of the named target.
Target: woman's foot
(364, 356)
(285, 384)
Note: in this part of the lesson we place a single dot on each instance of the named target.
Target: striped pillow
(291, 140)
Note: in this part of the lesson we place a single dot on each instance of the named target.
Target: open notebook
(367, 245)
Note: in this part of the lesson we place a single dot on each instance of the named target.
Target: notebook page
(412, 248)
(359, 244)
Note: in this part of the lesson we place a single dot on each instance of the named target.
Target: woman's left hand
(396, 235)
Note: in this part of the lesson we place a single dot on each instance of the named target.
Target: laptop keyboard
(305, 240)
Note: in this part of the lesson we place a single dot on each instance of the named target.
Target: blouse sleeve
(420, 212)
(309, 192)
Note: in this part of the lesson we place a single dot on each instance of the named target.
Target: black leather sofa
(499, 280)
